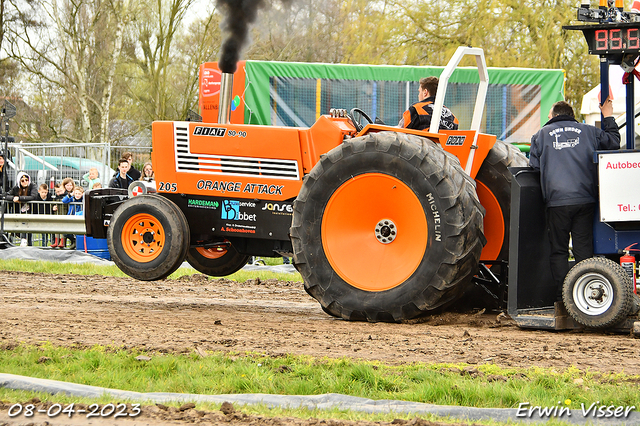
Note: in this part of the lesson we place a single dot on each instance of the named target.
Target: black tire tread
(177, 238)
(494, 173)
(461, 209)
(623, 301)
(231, 262)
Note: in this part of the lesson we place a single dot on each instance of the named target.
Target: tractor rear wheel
(493, 184)
(385, 227)
(148, 237)
(218, 261)
(598, 293)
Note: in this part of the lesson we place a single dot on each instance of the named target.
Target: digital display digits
(616, 40)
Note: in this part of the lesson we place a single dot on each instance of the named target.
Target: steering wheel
(356, 115)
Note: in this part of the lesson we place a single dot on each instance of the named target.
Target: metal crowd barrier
(32, 221)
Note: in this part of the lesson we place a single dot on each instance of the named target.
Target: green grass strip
(113, 271)
(218, 373)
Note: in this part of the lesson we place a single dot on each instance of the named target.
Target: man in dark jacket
(122, 179)
(135, 174)
(563, 152)
(418, 116)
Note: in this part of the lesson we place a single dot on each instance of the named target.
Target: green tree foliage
(512, 33)
(10, 14)
(88, 62)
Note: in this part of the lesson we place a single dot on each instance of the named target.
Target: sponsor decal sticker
(218, 132)
(457, 140)
(203, 204)
(231, 211)
(279, 208)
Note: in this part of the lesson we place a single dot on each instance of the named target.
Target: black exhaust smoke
(239, 15)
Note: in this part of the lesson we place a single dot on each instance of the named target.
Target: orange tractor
(383, 223)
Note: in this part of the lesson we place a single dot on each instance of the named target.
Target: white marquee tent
(591, 111)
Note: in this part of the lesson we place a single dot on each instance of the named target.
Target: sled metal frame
(531, 298)
(532, 291)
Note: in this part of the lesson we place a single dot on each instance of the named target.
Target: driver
(418, 116)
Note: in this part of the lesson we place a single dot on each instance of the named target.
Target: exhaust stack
(224, 105)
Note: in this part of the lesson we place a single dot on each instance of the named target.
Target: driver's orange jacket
(418, 116)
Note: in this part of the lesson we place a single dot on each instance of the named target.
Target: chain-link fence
(52, 163)
(49, 164)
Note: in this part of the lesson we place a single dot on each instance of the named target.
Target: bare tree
(151, 49)
(74, 50)
(200, 44)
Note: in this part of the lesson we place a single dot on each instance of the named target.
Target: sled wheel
(386, 227)
(494, 191)
(147, 237)
(218, 261)
(598, 293)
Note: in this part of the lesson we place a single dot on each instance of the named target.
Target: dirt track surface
(274, 318)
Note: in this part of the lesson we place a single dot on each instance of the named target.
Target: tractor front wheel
(148, 237)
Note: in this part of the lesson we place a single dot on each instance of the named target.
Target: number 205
(167, 186)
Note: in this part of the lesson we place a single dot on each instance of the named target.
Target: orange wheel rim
(213, 252)
(363, 212)
(493, 222)
(143, 237)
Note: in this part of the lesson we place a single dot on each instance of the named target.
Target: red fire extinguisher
(628, 263)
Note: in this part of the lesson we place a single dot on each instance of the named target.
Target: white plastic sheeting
(77, 256)
(324, 401)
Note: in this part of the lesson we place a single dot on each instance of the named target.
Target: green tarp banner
(295, 94)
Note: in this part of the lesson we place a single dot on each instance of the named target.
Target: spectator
(122, 179)
(92, 177)
(68, 185)
(132, 170)
(147, 172)
(58, 195)
(22, 193)
(75, 202)
(43, 206)
(3, 171)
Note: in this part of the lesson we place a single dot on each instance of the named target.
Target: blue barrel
(95, 246)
